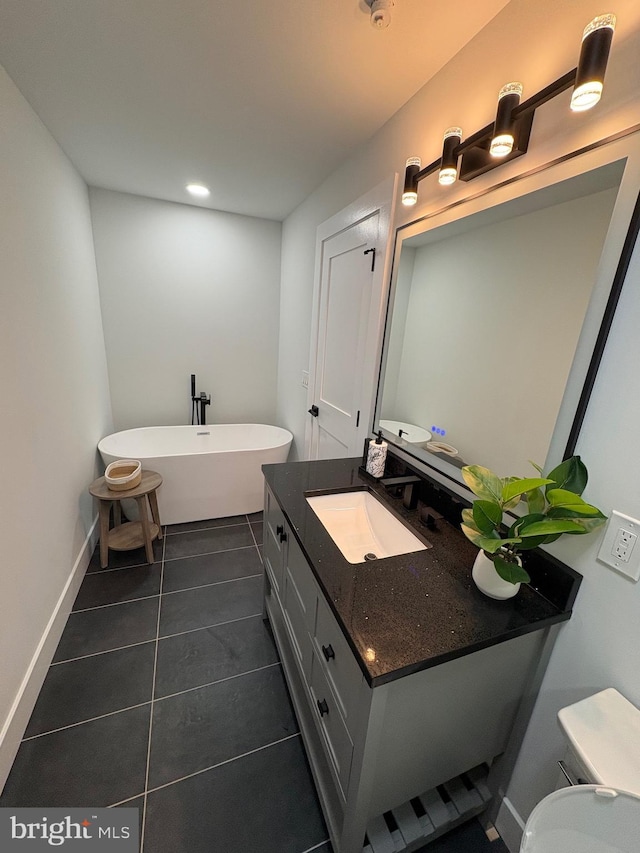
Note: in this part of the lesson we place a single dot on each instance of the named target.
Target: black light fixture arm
(508, 135)
(525, 108)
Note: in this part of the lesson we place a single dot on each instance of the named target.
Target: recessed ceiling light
(199, 190)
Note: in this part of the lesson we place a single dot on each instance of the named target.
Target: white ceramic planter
(489, 582)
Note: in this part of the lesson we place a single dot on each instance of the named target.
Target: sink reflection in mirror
(362, 527)
(411, 433)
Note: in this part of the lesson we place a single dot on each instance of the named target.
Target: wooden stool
(132, 534)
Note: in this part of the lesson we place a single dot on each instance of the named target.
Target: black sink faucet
(409, 484)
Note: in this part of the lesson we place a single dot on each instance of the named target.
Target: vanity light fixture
(508, 136)
(198, 190)
(594, 53)
(449, 162)
(504, 125)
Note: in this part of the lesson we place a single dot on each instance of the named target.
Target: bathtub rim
(253, 449)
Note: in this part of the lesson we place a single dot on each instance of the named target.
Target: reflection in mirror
(484, 324)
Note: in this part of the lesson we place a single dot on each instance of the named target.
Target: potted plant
(554, 505)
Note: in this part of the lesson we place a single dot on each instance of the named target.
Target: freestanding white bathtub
(207, 471)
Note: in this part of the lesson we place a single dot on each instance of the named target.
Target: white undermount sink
(361, 525)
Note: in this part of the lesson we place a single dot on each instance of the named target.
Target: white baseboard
(18, 717)
(510, 825)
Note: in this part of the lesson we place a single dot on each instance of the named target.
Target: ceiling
(259, 99)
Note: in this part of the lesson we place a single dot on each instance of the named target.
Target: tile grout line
(102, 652)
(208, 553)
(153, 690)
(213, 583)
(148, 702)
(169, 592)
(82, 722)
(168, 559)
(316, 846)
(206, 769)
(114, 604)
(222, 763)
(152, 639)
(206, 627)
(255, 541)
(218, 681)
(201, 529)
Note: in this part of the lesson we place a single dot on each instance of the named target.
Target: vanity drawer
(295, 617)
(275, 538)
(331, 723)
(341, 668)
(300, 577)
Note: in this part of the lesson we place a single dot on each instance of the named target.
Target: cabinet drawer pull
(283, 536)
(279, 530)
(323, 707)
(328, 652)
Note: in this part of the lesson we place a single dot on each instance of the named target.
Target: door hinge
(372, 252)
(315, 411)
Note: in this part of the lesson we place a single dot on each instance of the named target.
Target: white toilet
(603, 735)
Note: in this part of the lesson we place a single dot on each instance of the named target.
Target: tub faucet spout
(204, 402)
(199, 403)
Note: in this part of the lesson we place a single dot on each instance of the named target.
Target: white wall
(187, 290)
(55, 402)
(535, 41)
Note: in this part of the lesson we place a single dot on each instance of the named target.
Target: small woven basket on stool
(123, 474)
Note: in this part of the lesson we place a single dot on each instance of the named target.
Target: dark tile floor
(166, 694)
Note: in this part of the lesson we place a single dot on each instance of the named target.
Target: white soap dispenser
(376, 456)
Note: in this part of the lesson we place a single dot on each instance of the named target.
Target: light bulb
(503, 140)
(501, 145)
(198, 190)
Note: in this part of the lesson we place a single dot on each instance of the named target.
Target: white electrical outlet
(619, 548)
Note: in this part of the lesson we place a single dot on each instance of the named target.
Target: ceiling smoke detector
(380, 13)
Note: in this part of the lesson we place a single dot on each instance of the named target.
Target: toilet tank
(603, 741)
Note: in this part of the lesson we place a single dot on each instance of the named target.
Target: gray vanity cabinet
(375, 749)
(275, 538)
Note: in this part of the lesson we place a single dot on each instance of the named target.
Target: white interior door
(349, 306)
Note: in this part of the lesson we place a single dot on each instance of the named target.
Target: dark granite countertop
(410, 612)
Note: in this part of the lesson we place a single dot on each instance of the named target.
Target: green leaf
(570, 474)
(537, 467)
(467, 515)
(535, 501)
(472, 534)
(549, 527)
(520, 487)
(510, 572)
(491, 545)
(487, 515)
(531, 541)
(590, 524)
(483, 482)
(569, 500)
